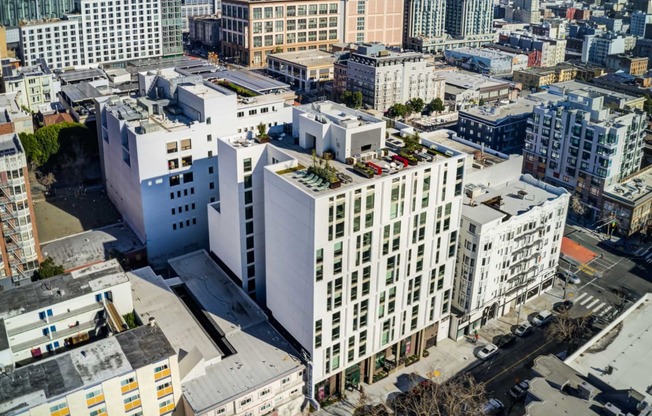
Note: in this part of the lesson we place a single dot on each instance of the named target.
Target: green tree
(357, 99)
(48, 268)
(481, 103)
(397, 110)
(41, 146)
(417, 104)
(647, 105)
(437, 105)
(352, 99)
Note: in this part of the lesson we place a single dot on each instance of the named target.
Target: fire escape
(10, 224)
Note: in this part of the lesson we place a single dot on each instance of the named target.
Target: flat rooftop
(508, 200)
(483, 53)
(78, 75)
(10, 145)
(625, 346)
(37, 383)
(634, 190)
(153, 298)
(92, 246)
(498, 111)
(468, 81)
(252, 80)
(449, 139)
(573, 86)
(35, 296)
(81, 91)
(307, 58)
(262, 354)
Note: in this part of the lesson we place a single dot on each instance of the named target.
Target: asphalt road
(512, 365)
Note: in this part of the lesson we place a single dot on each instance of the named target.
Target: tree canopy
(48, 141)
(397, 110)
(48, 268)
(352, 99)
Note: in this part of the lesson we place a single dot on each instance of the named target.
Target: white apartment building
(159, 154)
(104, 31)
(190, 8)
(510, 238)
(133, 373)
(34, 86)
(424, 18)
(584, 146)
(19, 245)
(386, 77)
(469, 18)
(237, 364)
(43, 318)
(377, 240)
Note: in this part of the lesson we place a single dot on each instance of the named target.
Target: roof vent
(152, 321)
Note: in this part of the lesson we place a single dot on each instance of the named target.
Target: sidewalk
(445, 360)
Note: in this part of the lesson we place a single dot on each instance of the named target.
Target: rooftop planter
(321, 168)
(243, 92)
(410, 157)
(363, 170)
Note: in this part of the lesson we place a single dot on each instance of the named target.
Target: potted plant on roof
(363, 170)
(262, 137)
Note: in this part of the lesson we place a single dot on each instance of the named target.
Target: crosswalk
(594, 304)
(645, 253)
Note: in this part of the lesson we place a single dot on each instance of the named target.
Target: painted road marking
(605, 311)
(592, 304)
(586, 300)
(600, 306)
(580, 297)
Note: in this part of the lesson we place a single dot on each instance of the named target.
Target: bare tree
(575, 331)
(459, 396)
(47, 180)
(576, 206)
(76, 161)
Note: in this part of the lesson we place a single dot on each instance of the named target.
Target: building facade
(584, 146)
(510, 238)
(12, 12)
(19, 246)
(386, 77)
(159, 154)
(486, 61)
(33, 86)
(552, 51)
(198, 8)
(500, 127)
(373, 21)
(252, 30)
(541, 77)
(627, 206)
(103, 32)
(424, 18)
(307, 70)
(206, 30)
(641, 24)
(469, 18)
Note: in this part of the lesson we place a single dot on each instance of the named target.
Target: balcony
(96, 306)
(56, 336)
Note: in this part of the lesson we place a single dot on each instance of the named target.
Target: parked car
(564, 306)
(570, 277)
(487, 352)
(493, 407)
(524, 329)
(519, 391)
(543, 318)
(505, 340)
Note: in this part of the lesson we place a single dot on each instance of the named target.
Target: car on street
(570, 277)
(524, 329)
(493, 407)
(487, 351)
(564, 306)
(505, 340)
(543, 318)
(519, 391)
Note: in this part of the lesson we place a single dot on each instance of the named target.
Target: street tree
(574, 331)
(352, 99)
(437, 105)
(397, 110)
(416, 104)
(461, 395)
(576, 206)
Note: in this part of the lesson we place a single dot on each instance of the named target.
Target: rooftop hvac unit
(587, 391)
(611, 410)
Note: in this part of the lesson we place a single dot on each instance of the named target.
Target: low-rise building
(467, 89)
(552, 51)
(35, 86)
(485, 61)
(306, 70)
(541, 77)
(510, 237)
(132, 373)
(41, 319)
(628, 204)
(12, 117)
(387, 77)
(499, 126)
(437, 45)
(633, 65)
(232, 363)
(596, 48)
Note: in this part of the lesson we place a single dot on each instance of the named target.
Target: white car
(543, 318)
(524, 329)
(487, 352)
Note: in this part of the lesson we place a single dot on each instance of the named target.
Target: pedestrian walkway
(445, 360)
(645, 254)
(596, 305)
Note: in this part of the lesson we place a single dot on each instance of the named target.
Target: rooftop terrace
(634, 189)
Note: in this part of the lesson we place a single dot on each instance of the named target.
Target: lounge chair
(308, 178)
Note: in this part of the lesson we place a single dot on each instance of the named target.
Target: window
(209, 138)
(175, 180)
(94, 397)
(128, 384)
(59, 410)
(211, 185)
(165, 406)
(265, 392)
(186, 144)
(99, 412)
(247, 165)
(245, 402)
(188, 177)
(186, 161)
(161, 372)
(172, 147)
(132, 402)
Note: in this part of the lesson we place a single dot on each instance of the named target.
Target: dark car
(564, 306)
(519, 391)
(505, 340)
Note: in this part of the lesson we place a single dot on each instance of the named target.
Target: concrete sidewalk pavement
(445, 360)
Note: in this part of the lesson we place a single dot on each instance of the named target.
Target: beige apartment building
(252, 30)
(373, 21)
